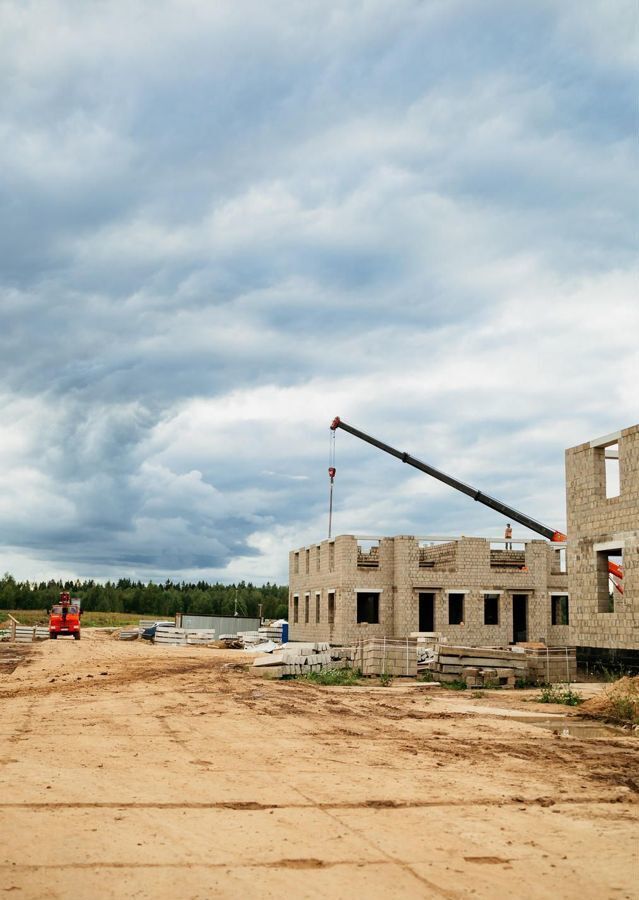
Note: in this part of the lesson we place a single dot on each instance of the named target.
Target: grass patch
(454, 685)
(624, 709)
(523, 683)
(89, 619)
(343, 677)
(619, 702)
(385, 679)
(553, 693)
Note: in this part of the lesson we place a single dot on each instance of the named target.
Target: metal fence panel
(221, 624)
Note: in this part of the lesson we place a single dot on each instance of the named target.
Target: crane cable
(331, 474)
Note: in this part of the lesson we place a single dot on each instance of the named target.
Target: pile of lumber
(480, 666)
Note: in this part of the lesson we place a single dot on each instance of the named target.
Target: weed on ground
(333, 677)
(558, 693)
(619, 702)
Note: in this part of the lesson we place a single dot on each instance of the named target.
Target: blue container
(285, 633)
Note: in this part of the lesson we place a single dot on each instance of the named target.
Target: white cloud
(231, 222)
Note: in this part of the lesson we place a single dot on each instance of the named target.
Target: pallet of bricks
(381, 656)
(479, 666)
(270, 633)
(549, 665)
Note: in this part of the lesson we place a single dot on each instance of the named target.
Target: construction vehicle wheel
(53, 636)
(76, 637)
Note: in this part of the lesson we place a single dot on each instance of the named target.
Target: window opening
(611, 463)
(296, 609)
(491, 609)
(559, 609)
(455, 609)
(296, 564)
(331, 607)
(368, 607)
(307, 610)
(318, 598)
(317, 558)
(609, 584)
(308, 561)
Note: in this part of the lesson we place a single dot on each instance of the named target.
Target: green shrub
(385, 679)
(624, 709)
(454, 685)
(553, 693)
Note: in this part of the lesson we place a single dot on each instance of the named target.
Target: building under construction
(469, 590)
(602, 498)
(480, 591)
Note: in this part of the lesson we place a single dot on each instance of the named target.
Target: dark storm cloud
(226, 223)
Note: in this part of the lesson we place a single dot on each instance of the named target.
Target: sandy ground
(137, 771)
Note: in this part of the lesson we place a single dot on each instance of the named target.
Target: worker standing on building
(508, 534)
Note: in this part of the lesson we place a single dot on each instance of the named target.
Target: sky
(224, 224)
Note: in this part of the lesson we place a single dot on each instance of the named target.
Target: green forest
(165, 599)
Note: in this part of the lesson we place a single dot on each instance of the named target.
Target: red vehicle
(64, 617)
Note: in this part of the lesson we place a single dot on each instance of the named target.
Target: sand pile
(619, 701)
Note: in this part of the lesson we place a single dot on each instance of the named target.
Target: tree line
(124, 595)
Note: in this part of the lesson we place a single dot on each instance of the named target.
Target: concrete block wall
(400, 577)
(595, 520)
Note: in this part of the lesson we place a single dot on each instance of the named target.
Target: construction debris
(130, 634)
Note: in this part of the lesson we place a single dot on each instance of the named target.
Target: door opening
(426, 612)
(520, 617)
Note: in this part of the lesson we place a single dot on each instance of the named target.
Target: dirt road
(136, 771)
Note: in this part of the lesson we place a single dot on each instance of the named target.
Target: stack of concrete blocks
(551, 666)
(168, 635)
(317, 657)
(129, 634)
(480, 666)
(26, 634)
(598, 525)
(247, 637)
(385, 657)
(202, 636)
(270, 633)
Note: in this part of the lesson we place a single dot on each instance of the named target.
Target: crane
(550, 533)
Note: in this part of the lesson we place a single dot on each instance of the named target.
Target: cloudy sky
(224, 223)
